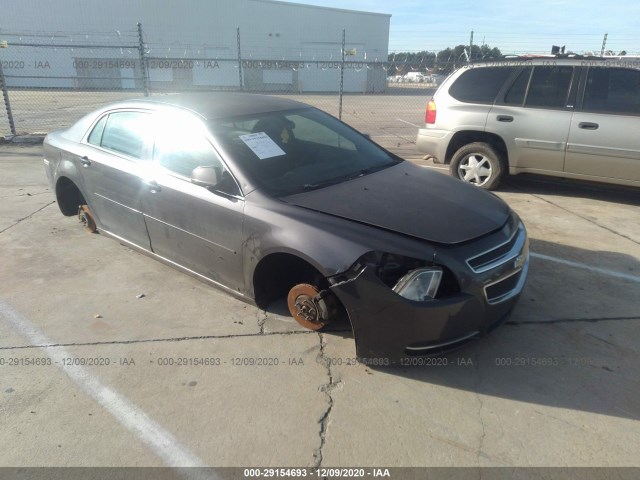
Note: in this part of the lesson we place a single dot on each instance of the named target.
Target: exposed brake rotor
(86, 218)
(309, 307)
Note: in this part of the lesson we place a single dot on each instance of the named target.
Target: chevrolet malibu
(268, 198)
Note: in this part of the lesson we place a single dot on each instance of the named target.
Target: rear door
(114, 158)
(533, 116)
(604, 139)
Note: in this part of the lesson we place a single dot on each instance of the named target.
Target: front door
(603, 140)
(195, 227)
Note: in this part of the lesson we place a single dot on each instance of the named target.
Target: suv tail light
(430, 117)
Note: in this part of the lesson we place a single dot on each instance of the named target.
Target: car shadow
(340, 325)
(572, 342)
(544, 185)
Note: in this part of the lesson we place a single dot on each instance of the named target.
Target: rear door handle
(588, 125)
(85, 161)
(505, 118)
(152, 185)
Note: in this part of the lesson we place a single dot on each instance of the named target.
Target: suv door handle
(588, 125)
(505, 118)
(152, 185)
(85, 161)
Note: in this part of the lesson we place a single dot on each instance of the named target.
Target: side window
(549, 87)
(125, 132)
(612, 90)
(181, 154)
(515, 94)
(480, 85)
(95, 137)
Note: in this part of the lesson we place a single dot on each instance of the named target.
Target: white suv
(576, 117)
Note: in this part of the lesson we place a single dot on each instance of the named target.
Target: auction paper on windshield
(261, 144)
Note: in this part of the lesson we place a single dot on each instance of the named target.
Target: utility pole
(604, 44)
(470, 45)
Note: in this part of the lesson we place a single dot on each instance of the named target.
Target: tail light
(430, 117)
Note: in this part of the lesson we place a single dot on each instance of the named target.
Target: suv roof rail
(533, 56)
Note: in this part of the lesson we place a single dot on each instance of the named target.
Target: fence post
(341, 77)
(239, 59)
(143, 61)
(604, 44)
(7, 104)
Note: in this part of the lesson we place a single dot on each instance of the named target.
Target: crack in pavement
(262, 321)
(590, 220)
(25, 194)
(571, 320)
(154, 340)
(326, 388)
(27, 217)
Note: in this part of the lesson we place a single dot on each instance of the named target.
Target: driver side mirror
(206, 177)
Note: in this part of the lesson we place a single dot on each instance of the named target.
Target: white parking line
(408, 123)
(435, 167)
(134, 419)
(603, 271)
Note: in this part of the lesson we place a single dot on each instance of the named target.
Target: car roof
(213, 105)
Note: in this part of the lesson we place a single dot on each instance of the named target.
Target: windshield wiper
(368, 170)
(332, 181)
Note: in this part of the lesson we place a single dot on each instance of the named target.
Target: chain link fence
(51, 79)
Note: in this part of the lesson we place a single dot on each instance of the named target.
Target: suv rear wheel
(478, 164)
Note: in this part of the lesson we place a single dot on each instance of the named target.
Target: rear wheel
(86, 219)
(478, 164)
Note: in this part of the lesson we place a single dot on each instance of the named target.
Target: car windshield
(288, 152)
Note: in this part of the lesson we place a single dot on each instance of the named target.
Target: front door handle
(85, 161)
(152, 185)
(588, 125)
(505, 118)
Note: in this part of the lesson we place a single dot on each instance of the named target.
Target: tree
(444, 61)
(404, 62)
(448, 59)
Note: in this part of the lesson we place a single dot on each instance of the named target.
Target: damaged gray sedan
(270, 198)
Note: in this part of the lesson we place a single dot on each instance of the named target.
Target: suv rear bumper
(434, 142)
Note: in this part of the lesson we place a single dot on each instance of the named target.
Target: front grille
(497, 255)
(500, 290)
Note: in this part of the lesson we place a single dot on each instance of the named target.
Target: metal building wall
(285, 46)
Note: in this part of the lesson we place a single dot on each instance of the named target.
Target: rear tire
(478, 164)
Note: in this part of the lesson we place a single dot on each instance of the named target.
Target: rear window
(125, 133)
(549, 87)
(515, 94)
(479, 85)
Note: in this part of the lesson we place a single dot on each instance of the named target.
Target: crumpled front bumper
(389, 328)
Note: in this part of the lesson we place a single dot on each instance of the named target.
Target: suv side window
(549, 87)
(612, 90)
(480, 85)
(515, 94)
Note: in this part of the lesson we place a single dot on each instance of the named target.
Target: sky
(512, 26)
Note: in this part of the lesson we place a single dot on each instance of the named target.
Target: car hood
(413, 201)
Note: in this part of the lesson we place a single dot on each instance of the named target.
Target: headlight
(420, 285)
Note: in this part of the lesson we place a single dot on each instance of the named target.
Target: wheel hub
(475, 169)
(309, 307)
(86, 218)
